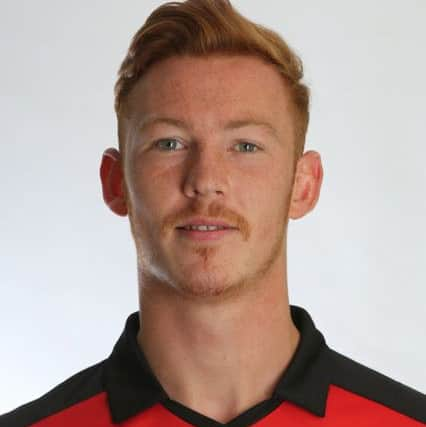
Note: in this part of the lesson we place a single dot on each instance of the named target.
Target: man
(212, 117)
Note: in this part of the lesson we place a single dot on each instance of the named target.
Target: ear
(307, 184)
(113, 181)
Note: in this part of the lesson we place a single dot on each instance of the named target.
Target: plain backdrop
(68, 264)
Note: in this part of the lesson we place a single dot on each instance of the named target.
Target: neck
(219, 359)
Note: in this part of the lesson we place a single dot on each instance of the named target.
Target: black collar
(132, 387)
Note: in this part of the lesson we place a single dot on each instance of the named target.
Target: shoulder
(369, 391)
(77, 388)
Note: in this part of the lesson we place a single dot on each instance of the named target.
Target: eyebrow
(230, 125)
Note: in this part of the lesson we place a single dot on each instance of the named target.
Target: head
(200, 28)
(227, 95)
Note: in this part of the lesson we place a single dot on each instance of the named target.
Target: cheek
(267, 186)
(140, 188)
(153, 188)
(264, 200)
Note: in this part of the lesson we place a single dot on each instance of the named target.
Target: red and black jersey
(320, 387)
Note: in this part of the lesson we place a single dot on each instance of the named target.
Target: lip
(199, 220)
(205, 235)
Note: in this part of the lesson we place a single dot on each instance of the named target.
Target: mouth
(205, 235)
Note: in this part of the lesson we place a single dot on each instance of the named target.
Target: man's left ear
(307, 184)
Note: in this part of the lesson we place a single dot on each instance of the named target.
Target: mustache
(215, 211)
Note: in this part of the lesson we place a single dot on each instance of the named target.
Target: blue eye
(165, 143)
(167, 140)
(249, 144)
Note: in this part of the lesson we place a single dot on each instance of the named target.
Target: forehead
(216, 86)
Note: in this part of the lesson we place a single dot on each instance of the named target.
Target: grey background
(68, 265)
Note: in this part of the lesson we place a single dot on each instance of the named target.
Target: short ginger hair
(204, 27)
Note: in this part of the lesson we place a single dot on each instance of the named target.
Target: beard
(215, 283)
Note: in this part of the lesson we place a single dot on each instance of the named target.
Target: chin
(209, 289)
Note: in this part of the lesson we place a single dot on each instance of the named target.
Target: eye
(167, 142)
(249, 144)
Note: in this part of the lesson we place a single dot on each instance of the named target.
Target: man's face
(212, 157)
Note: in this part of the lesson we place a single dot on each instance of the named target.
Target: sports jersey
(319, 387)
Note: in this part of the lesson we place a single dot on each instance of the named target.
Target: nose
(205, 173)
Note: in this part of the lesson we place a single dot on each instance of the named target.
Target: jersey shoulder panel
(77, 388)
(373, 385)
